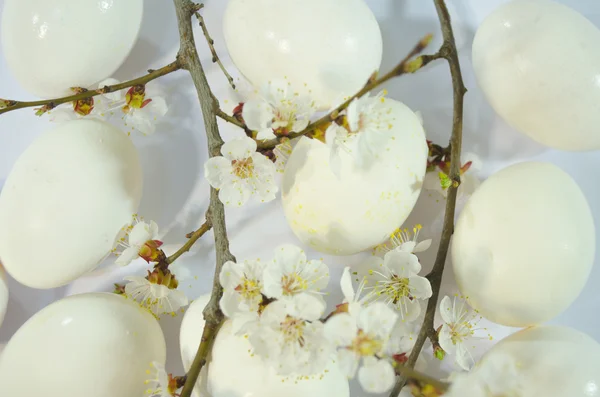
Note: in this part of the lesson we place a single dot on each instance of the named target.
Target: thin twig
(50, 104)
(447, 51)
(188, 56)
(211, 45)
(404, 67)
(230, 119)
(193, 237)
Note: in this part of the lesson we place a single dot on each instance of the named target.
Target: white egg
(52, 45)
(3, 294)
(65, 201)
(333, 55)
(253, 378)
(93, 345)
(553, 361)
(538, 63)
(523, 246)
(360, 209)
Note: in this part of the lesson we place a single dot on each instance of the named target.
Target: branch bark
(52, 103)
(206, 226)
(447, 51)
(189, 59)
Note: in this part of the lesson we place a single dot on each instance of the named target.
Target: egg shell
(53, 45)
(360, 209)
(523, 246)
(538, 63)
(231, 355)
(334, 55)
(93, 345)
(65, 200)
(553, 361)
(3, 294)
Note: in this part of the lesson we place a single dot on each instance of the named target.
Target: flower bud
(150, 251)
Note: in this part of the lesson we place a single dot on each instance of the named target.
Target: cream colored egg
(52, 45)
(331, 47)
(3, 294)
(190, 335)
(524, 244)
(65, 200)
(553, 361)
(362, 207)
(93, 345)
(538, 63)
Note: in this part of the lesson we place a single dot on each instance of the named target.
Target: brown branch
(447, 51)
(50, 104)
(193, 237)
(211, 45)
(404, 67)
(188, 56)
(230, 119)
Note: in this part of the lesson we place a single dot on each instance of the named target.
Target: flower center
(249, 288)
(365, 345)
(293, 283)
(293, 330)
(460, 332)
(396, 289)
(243, 168)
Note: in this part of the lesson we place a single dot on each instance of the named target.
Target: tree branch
(404, 67)
(52, 103)
(188, 56)
(206, 226)
(447, 51)
(211, 45)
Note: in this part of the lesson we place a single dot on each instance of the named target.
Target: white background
(176, 194)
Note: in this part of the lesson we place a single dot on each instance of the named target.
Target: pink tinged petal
(402, 264)
(238, 148)
(234, 194)
(378, 319)
(422, 246)
(127, 256)
(347, 362)
(445, 340)
(346, 285)
(447, 310)
(217, 171)
(420, 287)
(464, 359)
(376, 376)
(306, 306)
(341, 329)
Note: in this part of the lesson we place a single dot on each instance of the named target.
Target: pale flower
(241, 173)
(495, 376)
(282, 153)
(351, 297)
(93, 107)
(160, 384)
(290, 338)
(141, 106)
(290, 275)
(242, 284)
(401, 239)
(397, 283)
(278, 109)
(137, 238)
(364, 334)
(458, 330)
(157, 298)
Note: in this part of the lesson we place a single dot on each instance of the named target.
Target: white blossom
(279, 109)
(364, 334)
(396, 282)
(241, 173)
(158, 298)
(70, 111)
(141, 107)
(290, 275)
(458, 330)
(242, 284)
(282, 152)
(136, 237)
(351, 297)
(495, 376)
(160, 384)
(401, 239)
(289, 336)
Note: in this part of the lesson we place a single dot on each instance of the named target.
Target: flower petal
(141, 120)
(464, 359)
(378, 319)
(402, 264)
(217, 171)
(113, 96)
(420, 287)
(376, 376)
(306, 306)
(318, 274)
(141, 233)
(127, 256)
(341, 329)
(422, 246)
(347, 362)
(229, 303)
(234, 194)
(257, 114)
(230, 276)
(411, 310)
(346, 285)
(265, 134)
(239, 148)
(445, 340)
(289, 258)
(447, 310)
